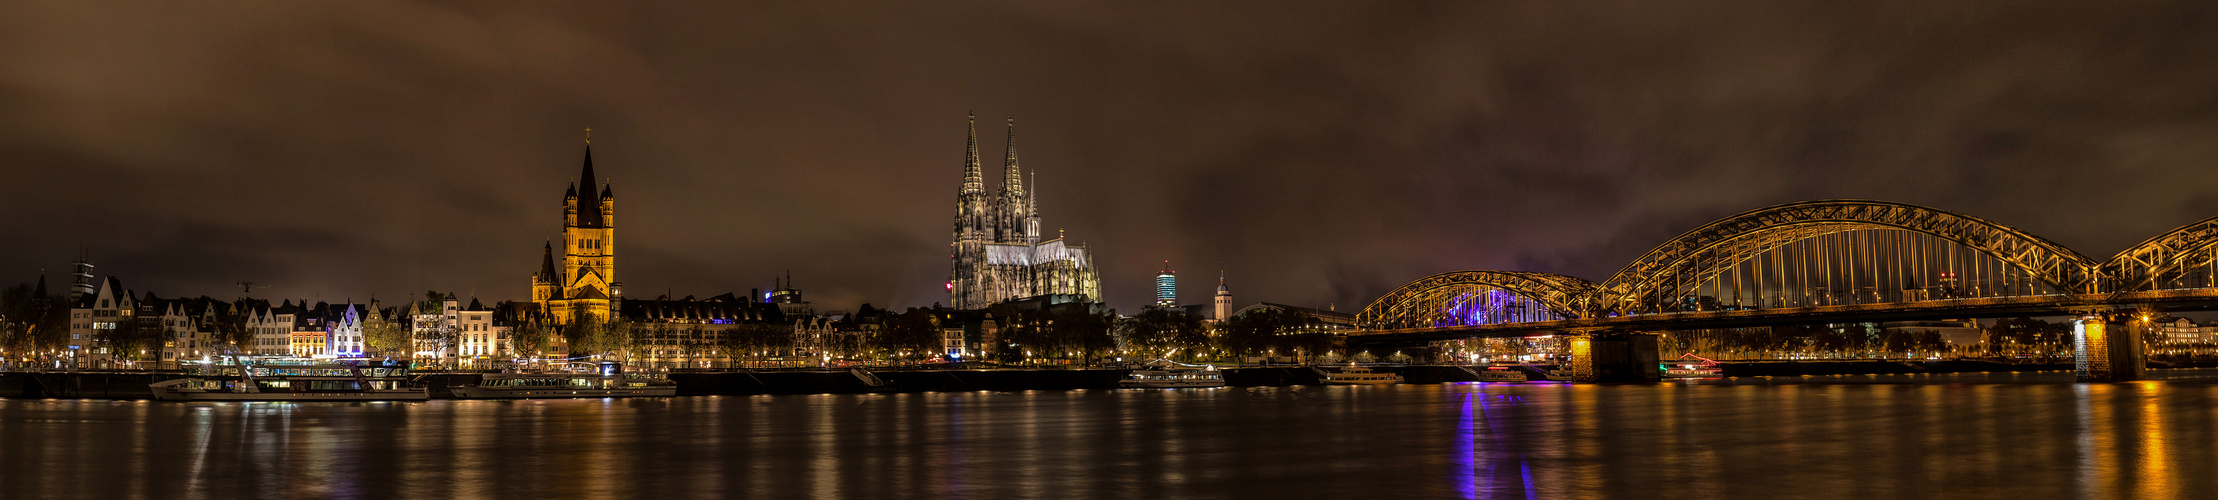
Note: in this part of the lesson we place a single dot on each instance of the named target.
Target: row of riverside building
(1002, 263)
(579, 285)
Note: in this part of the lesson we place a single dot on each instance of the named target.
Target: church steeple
(973, 179)
(589, 201)
(1012, 179)
(547, 267)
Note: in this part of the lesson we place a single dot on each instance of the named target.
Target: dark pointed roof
(546, 267)
(589, 202)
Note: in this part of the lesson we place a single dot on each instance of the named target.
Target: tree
(530, 338)
(138, 339)
(1163, 332)
(914, 334)
(32, 322)
(1271, 330)
(382, 334)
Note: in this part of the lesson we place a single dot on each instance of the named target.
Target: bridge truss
(1815, 261)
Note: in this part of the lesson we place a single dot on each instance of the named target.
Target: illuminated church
(585, 284)
(998, 253)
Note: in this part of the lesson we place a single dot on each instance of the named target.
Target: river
(1967, 436)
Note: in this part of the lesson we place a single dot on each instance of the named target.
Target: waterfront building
(998, 253)
(703, 333)
(311, 343)
(95, 317)
(340, 326)
(188, 327)
(265, 324)
(477, 337)
(1166, 287)
(789, 300)
(2183, 331)
(434, 327)
(585, 285)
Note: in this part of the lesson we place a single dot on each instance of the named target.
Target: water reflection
(1867, 438)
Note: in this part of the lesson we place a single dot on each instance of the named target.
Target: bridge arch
(1701, 255)
(2181, 258)
(1464, 298)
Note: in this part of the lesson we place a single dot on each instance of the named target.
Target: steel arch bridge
(1812, 262)
(1476, 297)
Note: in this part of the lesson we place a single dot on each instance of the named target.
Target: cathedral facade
(997, 251)
(585, 285)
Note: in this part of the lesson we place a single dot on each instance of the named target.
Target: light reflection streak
(2156, 457)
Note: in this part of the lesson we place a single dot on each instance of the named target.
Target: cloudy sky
(1317, 153)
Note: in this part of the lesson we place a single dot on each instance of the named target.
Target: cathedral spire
(973, 180)
(1012, 179)
(1032, 197)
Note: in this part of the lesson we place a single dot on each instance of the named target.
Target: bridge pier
(1614, 357)
(2105, 350)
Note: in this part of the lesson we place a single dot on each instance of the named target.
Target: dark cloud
(1318, 153)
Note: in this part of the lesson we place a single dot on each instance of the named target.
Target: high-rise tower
(1166, 287)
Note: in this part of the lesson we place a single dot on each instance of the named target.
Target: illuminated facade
(586, 283)
(1166, 287)
(997, 252)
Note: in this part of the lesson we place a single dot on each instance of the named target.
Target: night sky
(1320, 154)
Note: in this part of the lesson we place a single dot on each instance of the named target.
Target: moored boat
(1503, 374)
(1691, 366)
(567, 385)
(1164, 374)
(278, 382)
(1357, 375)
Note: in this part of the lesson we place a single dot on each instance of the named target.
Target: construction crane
(249, 286)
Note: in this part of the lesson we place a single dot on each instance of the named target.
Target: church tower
(585, 284)
(968, 283)
(1224, 299)
(997, 254)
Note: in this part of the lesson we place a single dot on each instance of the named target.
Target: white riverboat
(1357, 375)
(283, 382)
(1503, 374)
(567, 385)
(1168, 375)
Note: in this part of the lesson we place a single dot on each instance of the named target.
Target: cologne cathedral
(586, 283)
(998, 253)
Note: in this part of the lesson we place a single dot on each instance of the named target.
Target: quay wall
(1860, 367)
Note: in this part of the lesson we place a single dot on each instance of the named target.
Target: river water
(1969, 436)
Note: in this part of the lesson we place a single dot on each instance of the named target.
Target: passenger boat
(1168, 375)
(1503, 374)
(1691, 366)
(281, 382)
(1357, 375)
(1560, 374)
(567, 385)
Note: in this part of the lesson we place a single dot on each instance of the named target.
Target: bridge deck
(1996, 307)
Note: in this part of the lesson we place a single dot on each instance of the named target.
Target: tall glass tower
(1166, 287)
